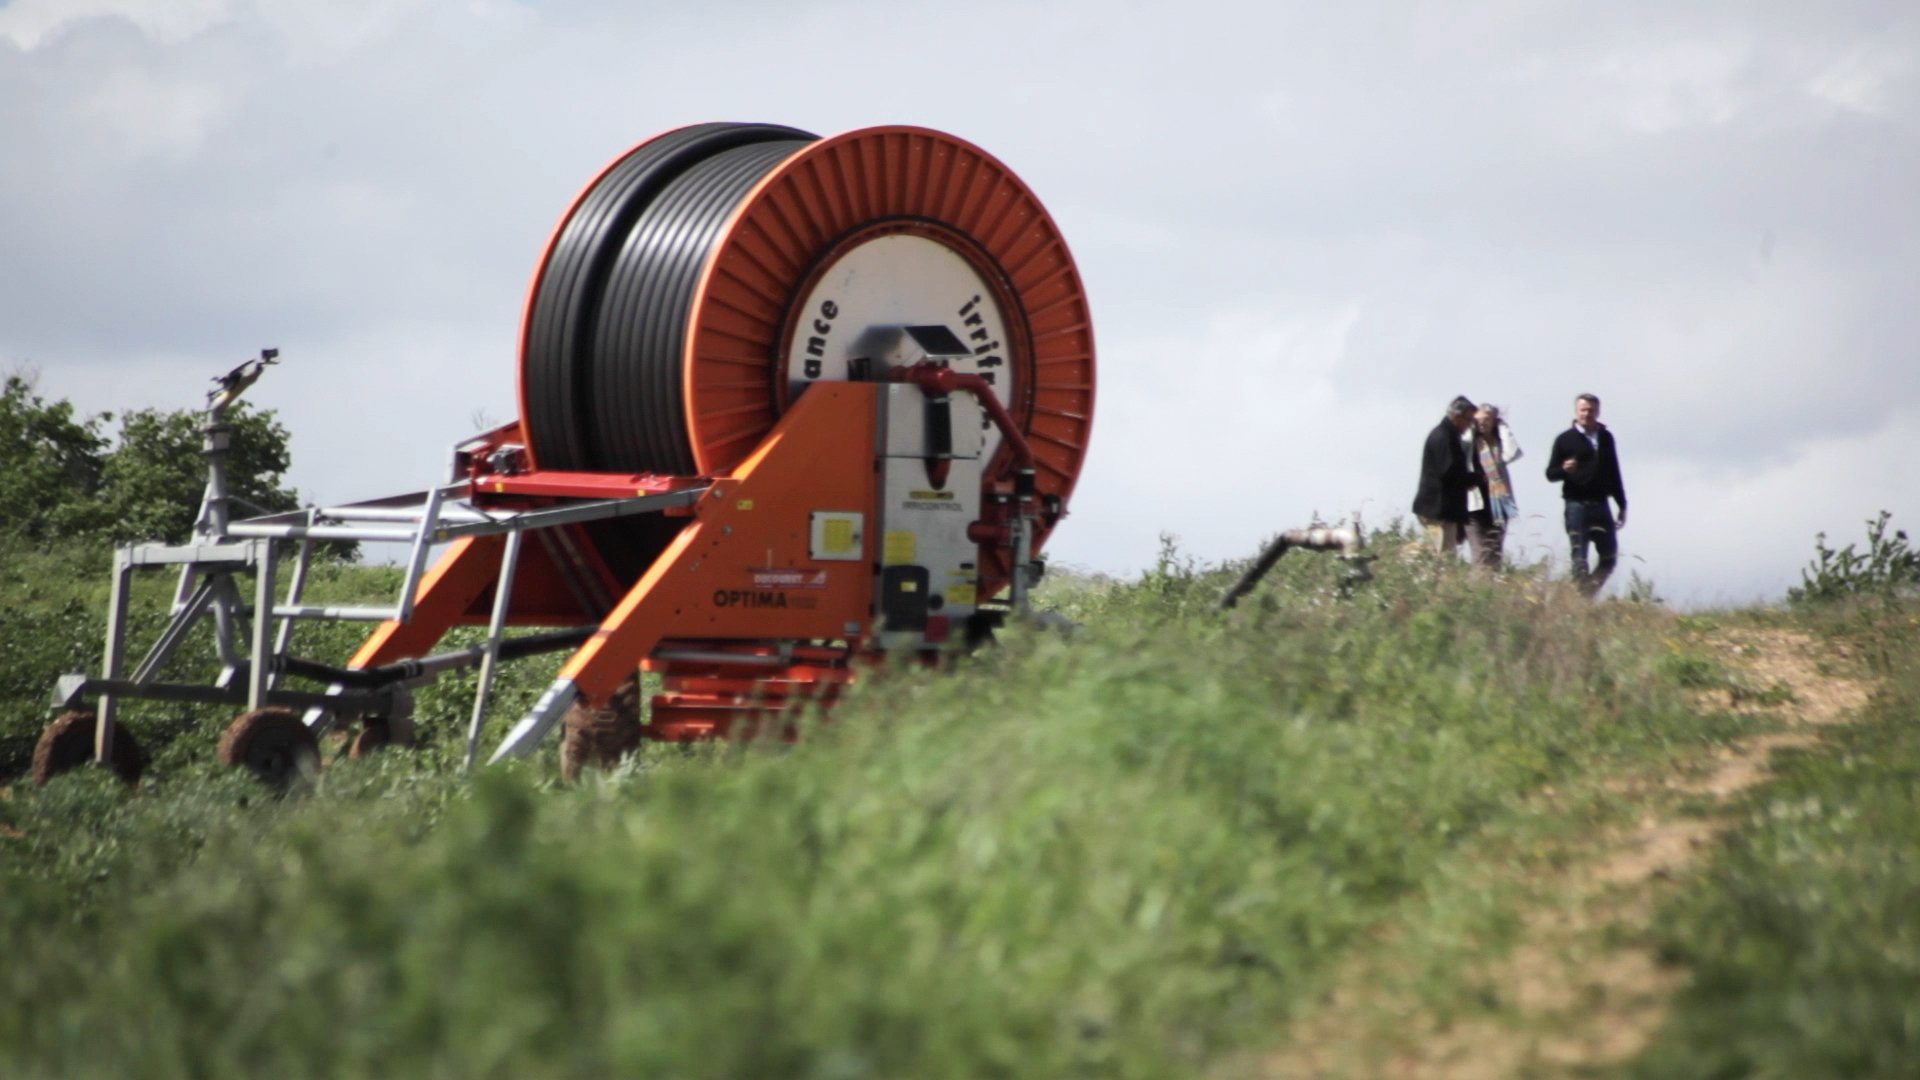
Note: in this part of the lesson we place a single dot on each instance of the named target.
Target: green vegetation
(60, 478)
(1888, 569)
(1115, 853)
(1804, 933)
(1131, 850)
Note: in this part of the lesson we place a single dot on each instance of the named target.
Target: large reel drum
(710, 275)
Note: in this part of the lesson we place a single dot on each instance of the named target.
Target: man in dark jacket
(1588, 468)
(1440, 502)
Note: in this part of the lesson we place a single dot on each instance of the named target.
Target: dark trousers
(1590, 521)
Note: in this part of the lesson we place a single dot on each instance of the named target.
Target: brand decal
(932, 500)
(789, 578)
(987, 352)
(749, 598)
(817, 341)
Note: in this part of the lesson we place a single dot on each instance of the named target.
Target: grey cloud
(1703, 212)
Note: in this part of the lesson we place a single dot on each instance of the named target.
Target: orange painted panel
(757, 518)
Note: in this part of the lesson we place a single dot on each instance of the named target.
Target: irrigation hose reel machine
(785, 401)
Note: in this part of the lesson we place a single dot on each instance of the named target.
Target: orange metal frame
(738, 579)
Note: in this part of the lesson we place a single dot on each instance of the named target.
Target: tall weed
(1110, 853)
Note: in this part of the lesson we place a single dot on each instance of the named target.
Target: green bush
(63, 483)
(1889, 568)
(51, 461)
(1114, 853)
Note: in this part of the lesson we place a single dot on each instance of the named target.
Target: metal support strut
(1347, 540)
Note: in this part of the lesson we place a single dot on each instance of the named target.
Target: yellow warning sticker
(898, 547)
(960, 594)
(744, 504)
(836, 535)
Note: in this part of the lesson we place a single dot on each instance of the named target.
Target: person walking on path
(1440, 502)
(1587, 466)
(1493, 448)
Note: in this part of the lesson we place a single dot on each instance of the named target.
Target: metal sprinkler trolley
(786, 402)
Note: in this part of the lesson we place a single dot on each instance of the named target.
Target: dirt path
(1574, 992)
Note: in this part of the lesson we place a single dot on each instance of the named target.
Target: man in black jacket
(1440, 502)
(1588, 468)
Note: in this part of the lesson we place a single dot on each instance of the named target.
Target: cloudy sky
(1303, 227)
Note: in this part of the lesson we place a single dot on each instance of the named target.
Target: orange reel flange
(711, 274)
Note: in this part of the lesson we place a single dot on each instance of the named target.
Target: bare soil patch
(1573, 992)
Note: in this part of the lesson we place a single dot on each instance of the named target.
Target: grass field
(1803, 934)
(1153, 847)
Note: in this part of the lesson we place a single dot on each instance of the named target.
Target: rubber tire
(67, 743)
(273, 745)
(601, 737)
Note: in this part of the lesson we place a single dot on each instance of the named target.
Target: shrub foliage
(1888, 568)
(1115, 852)
(62, 479)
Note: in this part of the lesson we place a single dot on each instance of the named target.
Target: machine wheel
(374, 735)
(378, 731)
(67, 743)
(272, 744)
(601, 737)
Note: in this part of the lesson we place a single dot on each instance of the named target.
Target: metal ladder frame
(222, 549)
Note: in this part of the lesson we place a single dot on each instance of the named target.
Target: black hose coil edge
(563, 315)
(638, 405)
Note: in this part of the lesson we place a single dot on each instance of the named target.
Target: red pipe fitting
(933, 379)
(988, 534)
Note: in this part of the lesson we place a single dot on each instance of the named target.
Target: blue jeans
(1591, 522)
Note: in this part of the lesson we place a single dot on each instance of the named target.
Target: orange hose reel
(688, 325)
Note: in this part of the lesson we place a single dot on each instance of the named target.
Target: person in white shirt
(1491, 447)
(1586, 464)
